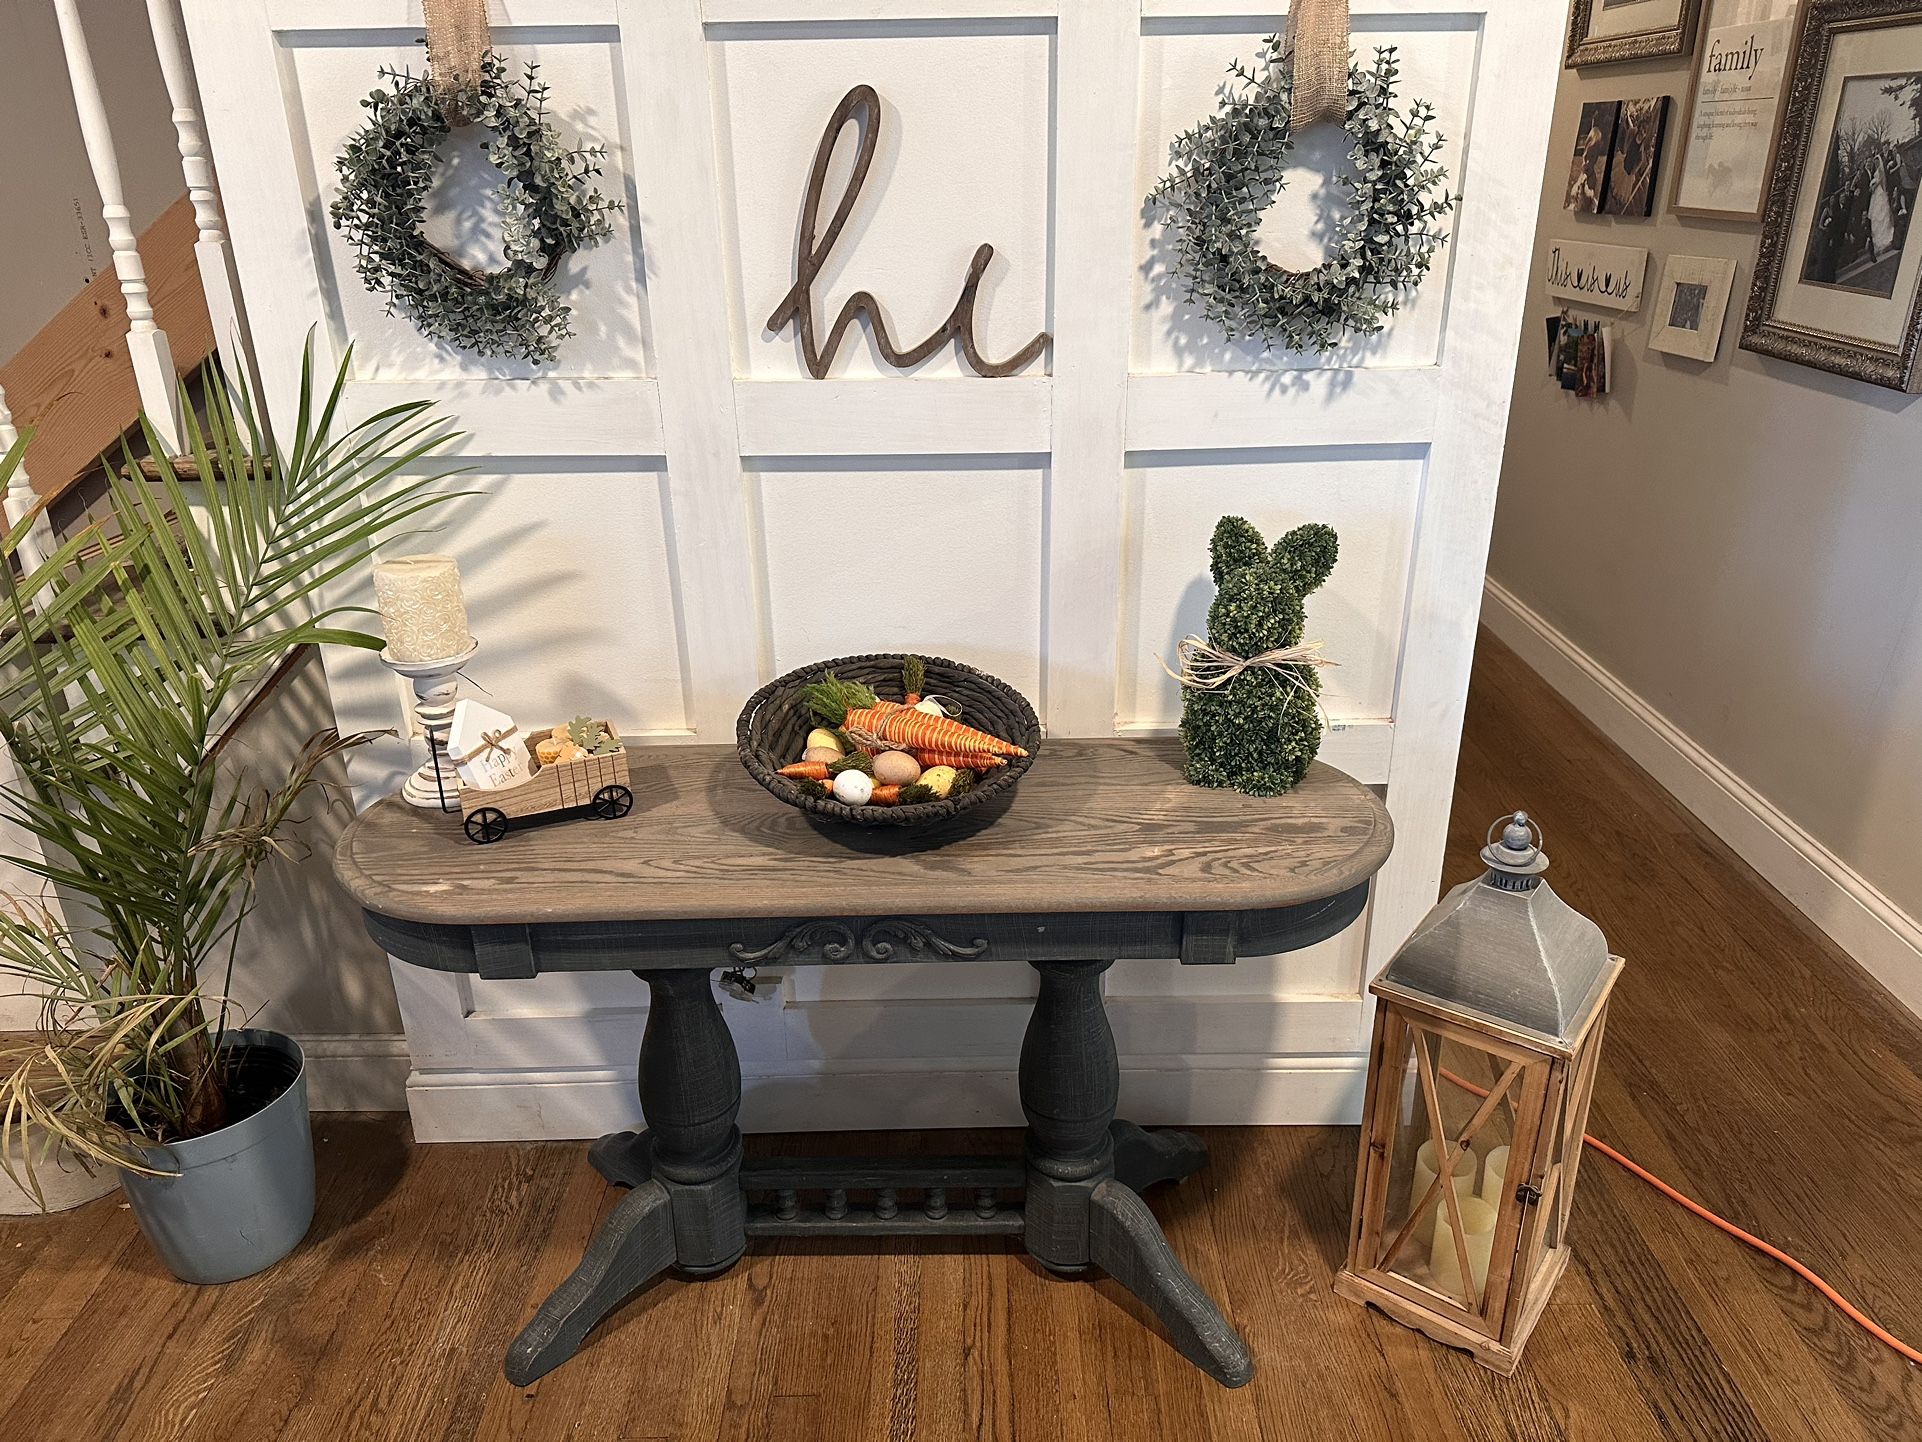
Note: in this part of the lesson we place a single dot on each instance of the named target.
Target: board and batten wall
(674, 512)
(1721, 565)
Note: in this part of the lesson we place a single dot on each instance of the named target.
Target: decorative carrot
(959, 760)
(885, 796)
(914, 675)
(806, 771)
(918, 731)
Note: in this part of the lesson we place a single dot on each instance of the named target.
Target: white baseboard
(1883, 938)
(562, 1105)
(347, 1073)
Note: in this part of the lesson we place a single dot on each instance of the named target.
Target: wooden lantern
(1487, 1028)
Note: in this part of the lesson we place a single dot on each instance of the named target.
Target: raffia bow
(495, 741)
(1209, 668)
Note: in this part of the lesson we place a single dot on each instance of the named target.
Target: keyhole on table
(463, 215)
(1298, 231)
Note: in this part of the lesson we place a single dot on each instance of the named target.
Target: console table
(1102, 852)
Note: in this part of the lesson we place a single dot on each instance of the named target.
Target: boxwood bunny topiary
(1258, 731)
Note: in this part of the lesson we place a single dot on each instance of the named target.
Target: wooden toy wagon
(595, 784)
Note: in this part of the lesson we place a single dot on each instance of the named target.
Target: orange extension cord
(1841, 1303)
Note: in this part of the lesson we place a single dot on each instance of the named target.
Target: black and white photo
(1838, 278)
(1868, 188)
(1685, 306)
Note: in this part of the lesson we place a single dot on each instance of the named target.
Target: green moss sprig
(831, 699)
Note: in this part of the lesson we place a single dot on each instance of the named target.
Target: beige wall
(1740, 542)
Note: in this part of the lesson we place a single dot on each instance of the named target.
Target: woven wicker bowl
(776, 720)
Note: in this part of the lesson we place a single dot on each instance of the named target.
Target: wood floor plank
(1747, 1060)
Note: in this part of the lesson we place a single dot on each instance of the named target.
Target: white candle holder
(434, 786)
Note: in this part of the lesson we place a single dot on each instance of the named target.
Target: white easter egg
(931, 706)
(855, 788)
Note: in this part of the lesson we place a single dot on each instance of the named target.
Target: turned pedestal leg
(1080, 1207)
(686, 1207)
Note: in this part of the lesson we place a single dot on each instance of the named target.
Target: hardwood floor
(1748, 1062)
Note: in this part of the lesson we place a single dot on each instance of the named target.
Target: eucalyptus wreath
(1225, 172)
(548, 209)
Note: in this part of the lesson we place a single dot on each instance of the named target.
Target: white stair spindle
(21, 498)
(217, 277)
(153, 365)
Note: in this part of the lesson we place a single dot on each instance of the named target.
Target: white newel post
(217, 277)
(153, 365)
(21, 498)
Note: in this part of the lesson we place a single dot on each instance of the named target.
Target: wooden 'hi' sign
(811, 253)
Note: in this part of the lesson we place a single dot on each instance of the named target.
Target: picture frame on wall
(1602, 32)
(1691, 305)
(1727, 141)
(1838, 282)
(1584, 272)
(1637, 157)
(1588, 165)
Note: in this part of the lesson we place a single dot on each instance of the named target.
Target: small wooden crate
(593, 783)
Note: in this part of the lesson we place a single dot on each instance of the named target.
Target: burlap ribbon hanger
(457, 37)
(1318, 38)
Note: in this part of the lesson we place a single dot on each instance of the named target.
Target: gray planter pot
(244, 1195)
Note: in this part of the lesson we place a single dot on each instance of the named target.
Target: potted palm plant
(125, 654)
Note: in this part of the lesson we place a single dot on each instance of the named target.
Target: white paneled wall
(675, 511)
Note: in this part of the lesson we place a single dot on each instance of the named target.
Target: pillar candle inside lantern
(1495, 1176)
(421, 608)
(1478, 1230)
(1463, 1184)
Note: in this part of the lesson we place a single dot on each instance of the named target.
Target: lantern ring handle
(1519, 818)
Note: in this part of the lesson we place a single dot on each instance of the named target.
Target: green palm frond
(121, 655)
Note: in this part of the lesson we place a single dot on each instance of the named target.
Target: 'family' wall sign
(1605, 275)
(810, 254)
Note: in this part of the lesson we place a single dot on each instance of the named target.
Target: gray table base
(693, 1202)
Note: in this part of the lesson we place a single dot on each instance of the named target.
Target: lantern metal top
(1506, 949)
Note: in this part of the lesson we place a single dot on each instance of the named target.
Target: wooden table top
(1095, 826)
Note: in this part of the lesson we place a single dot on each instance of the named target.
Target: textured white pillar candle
(1444, 1259)
(421, 608)
(1464, 1184)
(1494, 1176)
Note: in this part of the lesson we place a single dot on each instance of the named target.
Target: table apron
(1194, 937)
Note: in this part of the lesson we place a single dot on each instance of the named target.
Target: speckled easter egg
(853, 787)
(822, 753)
(821, 737)
(896, 768)
(939, 779)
